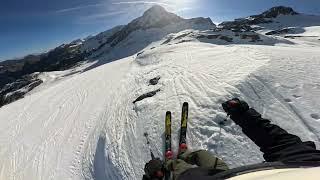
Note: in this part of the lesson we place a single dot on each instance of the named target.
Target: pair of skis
(183, 135)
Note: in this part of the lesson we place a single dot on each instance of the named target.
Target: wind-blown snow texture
(85, 126)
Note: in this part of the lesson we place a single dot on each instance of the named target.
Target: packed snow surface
(85, 126)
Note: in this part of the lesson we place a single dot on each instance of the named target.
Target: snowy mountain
(89, 124)
(95, 42)
(152, 26)
(113, 44)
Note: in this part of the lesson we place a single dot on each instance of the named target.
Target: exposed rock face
(17, 65)
(236, 26)
(244, 24)
(281, 31)
(215, 36)
(93, 43)
(226, 38)
(17, 89)
(279, 10)
(252, 37)
(60, 58)
(17, 74)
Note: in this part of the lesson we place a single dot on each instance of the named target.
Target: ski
(183, 130)
(168, 151)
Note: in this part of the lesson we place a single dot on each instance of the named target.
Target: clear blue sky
(33, 26)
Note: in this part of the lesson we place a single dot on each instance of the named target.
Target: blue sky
(33, 26)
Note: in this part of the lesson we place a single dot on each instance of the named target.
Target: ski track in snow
(86, 127)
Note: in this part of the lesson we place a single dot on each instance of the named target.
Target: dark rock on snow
(182, 35)
(226, 38)
(167, 40)
(215, 36)
(281, 31)
(252, 37)
(183, 41)
(139, 53)
(212, 36)
(154, 81)
(146, 95)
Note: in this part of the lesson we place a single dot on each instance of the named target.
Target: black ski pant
(275, 143)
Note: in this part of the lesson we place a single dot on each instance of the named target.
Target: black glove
(154, 169)
(235, 107)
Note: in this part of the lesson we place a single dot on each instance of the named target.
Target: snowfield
(85, 126)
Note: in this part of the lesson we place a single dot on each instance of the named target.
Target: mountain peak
(155, 17)
(155, 10)
(279, 10)
(157, 14)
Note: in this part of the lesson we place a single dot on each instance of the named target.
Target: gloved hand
(235, 107)
(154, 169)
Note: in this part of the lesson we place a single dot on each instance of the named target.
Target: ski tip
(183, 147)
(185, 104)
(169, 154)
(168, 112)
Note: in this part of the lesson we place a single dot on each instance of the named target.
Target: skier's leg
(205, 159)
(177, 167)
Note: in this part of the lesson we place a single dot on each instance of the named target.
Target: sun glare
(179, 5)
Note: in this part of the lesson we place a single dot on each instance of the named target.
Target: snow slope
(83, 125)
(304, 29)
(86, 126)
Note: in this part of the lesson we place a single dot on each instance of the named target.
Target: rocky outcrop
(281, 31)
(94, 43)
(236, 26)
(17, 89)
(244, 24)
(278, 10)
(251, 37)
(146, 95)
(17, 74)
(226, 38)
(154, 81)
(215, 36)
(60, 58)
